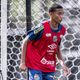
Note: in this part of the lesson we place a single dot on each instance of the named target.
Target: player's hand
(65, 70)
(22, 67)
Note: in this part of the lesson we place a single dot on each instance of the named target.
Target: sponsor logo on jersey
(51, 48)
(48, 34)
(48, 62)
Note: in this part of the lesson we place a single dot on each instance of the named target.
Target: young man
(41, 46)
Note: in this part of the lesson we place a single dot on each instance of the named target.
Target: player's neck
(54, 24)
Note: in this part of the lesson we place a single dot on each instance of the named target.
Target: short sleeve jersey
(41, 50)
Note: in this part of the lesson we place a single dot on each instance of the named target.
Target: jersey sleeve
(36, 33)
(64, 32)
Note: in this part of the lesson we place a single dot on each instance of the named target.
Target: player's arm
(61, 61)
(60, 57)
(32, 35)
(24, 45)
(23, 53)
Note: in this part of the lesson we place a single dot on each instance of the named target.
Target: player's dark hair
(54, 7)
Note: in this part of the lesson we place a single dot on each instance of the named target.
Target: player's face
(57, 15)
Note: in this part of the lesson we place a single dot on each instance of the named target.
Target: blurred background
(19, 16)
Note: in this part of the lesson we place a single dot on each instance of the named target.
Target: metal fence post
(4, 38)
(28, 14)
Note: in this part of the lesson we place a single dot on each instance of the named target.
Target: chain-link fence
(16, 32)
(70, 46)
(16, 26)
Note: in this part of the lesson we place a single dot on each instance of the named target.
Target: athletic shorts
(39, 75)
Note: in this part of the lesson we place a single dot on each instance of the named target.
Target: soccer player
(42, 44)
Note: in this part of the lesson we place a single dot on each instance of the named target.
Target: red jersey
(41, 54)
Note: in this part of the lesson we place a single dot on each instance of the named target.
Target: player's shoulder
(63, 30)
(38, 28)
(45, 21)
(63, 26)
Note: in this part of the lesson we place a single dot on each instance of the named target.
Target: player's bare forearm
(24, 47)
(61, 61)
(23, 54)
(59, 55)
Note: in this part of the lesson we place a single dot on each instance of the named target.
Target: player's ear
(50, 13)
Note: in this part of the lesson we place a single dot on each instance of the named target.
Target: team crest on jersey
(55, 38)
(48, 34)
